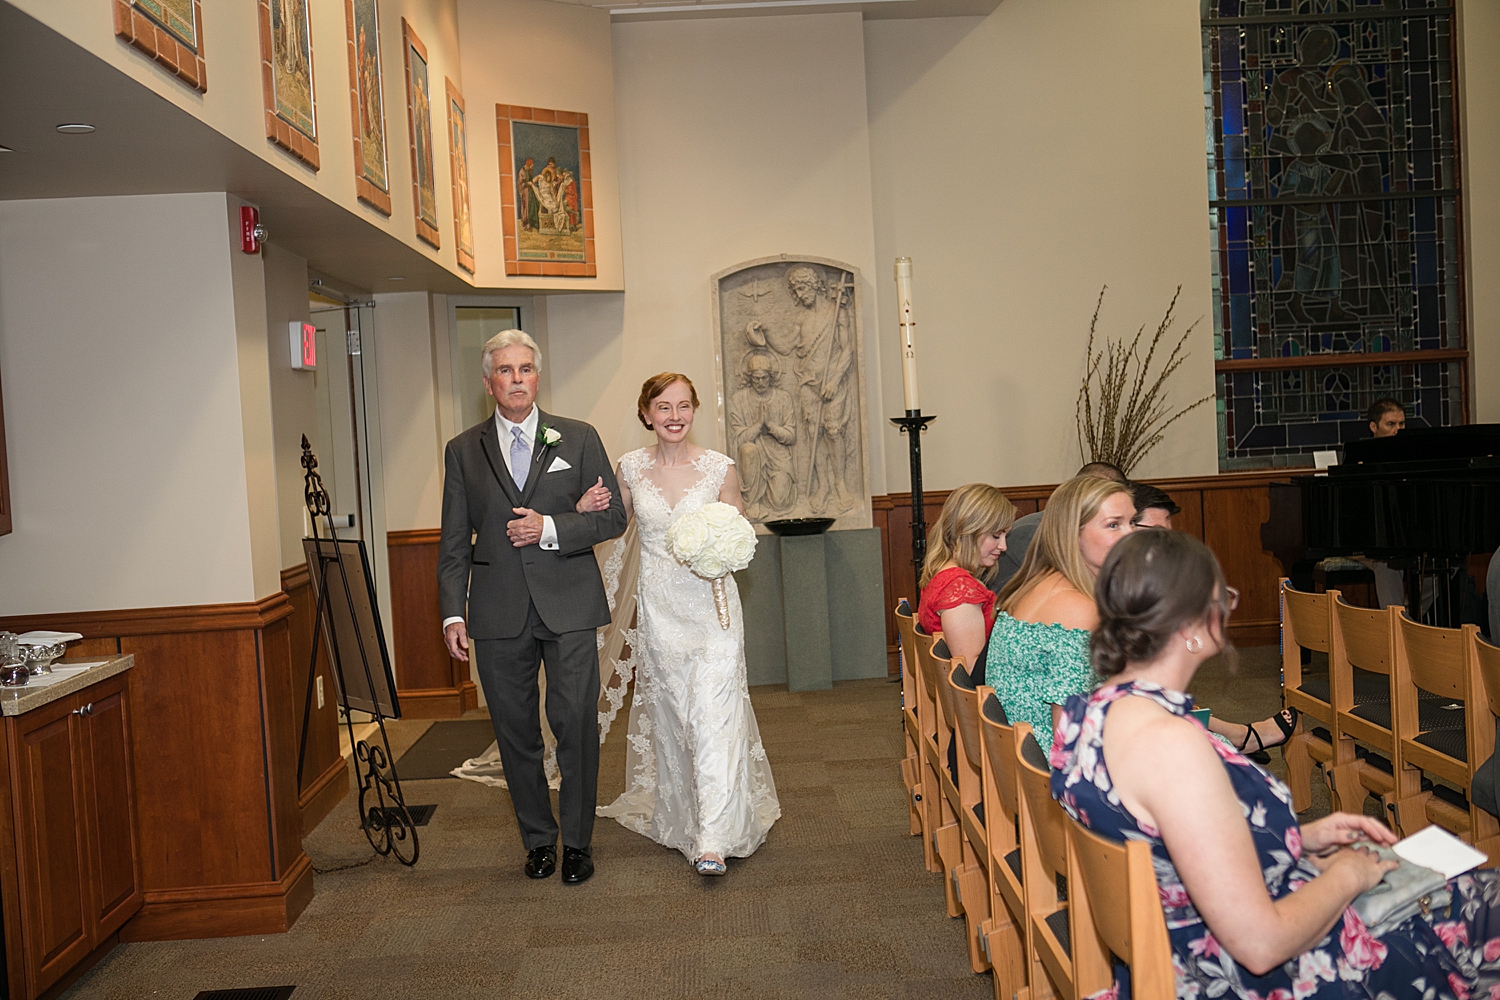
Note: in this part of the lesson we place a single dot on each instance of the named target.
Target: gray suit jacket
(491, 582)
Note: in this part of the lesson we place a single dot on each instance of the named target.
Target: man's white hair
(504, 339)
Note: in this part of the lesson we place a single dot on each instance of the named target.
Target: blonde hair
(1054, 548)
(969, 513)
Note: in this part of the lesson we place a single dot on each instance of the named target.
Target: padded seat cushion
(1032, 753)
(1452, 742)
(1432, 714)
(994, 711)
(1058, 923)
(1315, 685)
(1013, 860)
(979, 812)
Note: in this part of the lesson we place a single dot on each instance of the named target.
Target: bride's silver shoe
(708, 866)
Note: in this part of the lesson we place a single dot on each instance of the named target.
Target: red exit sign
(304, 346)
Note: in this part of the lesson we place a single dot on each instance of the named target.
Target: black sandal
(1286, 721)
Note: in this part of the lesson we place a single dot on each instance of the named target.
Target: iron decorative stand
(386, 822)
(913, 425)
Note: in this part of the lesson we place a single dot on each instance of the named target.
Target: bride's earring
(1194, 645)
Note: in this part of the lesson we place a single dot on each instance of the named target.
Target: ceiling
(144, 144)
(657, 10)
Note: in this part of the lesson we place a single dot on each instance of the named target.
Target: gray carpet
(836, 904)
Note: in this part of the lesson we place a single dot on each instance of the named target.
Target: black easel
(386, 826)
(913, 425)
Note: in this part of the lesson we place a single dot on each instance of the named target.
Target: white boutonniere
(550, 436)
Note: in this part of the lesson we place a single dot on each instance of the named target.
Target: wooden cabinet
(75, 830)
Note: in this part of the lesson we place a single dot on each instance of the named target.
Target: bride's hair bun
(655, 386)
(1153, 583)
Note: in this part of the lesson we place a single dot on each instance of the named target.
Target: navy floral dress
(1450, 955)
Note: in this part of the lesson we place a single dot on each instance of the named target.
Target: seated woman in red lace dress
(962, 551)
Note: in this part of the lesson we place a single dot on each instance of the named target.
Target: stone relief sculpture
(790, 345)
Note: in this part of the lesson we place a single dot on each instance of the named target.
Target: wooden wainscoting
(325, 773)
(1224, 511)
(429, 682)
(215, 745)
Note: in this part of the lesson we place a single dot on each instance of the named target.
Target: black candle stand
(912, 425)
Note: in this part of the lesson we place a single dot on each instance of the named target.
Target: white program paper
(1436, 848)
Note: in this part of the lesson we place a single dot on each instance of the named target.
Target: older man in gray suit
(527, 589)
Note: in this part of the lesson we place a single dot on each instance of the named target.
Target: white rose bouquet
(713, 541)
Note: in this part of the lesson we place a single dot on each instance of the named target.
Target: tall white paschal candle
(908, 331)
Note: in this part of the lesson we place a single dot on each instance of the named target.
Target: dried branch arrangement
(1120, 417)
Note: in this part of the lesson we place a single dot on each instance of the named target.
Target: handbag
(1404, 892)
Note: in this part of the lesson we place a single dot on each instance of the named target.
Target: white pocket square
(558, 465)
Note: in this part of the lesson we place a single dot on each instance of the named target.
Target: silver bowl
(38, 659)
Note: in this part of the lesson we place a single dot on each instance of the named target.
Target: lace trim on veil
(617, 662)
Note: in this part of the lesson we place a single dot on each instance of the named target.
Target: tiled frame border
(366, 191)
(139, 29)
(409, 41)
(504, 115)
(278, 130)
(465, 257)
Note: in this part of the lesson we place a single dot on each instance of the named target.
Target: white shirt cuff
(450, 621)
(549, 534)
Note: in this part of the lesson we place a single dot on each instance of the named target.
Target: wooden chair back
(1044, 858)
(1444, 662)
(1047, 816)
(1365, 638)
(1112, 887)
(1305, 616)
(1487, 657)
(942, 663)
(1436, 657)
(1005, 937)
(906, 633)
(999, 739)
(966, 712)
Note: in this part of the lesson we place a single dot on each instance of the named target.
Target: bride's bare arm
(728, 493)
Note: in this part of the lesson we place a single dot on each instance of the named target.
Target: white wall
(537, 53)
(127, 444)
(739, 138)
(1022, 161)
(409, 445)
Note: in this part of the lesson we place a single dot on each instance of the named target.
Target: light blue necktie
(520, 459)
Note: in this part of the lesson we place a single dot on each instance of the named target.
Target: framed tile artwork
(546, 192)
(419, 122)
(367, 108)
(169, 31)
(458, 172)
(287, 78)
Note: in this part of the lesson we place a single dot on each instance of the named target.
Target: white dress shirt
(504, 430)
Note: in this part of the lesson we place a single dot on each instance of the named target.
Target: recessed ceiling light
(396, 277)
(75, 129)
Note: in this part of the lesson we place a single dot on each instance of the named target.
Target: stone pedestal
(814, 609)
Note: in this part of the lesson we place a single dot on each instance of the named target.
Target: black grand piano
(1422, 501)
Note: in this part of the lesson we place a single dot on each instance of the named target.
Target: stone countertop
(67, 677)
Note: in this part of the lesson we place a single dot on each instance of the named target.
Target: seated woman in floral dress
(962, 551)
(1257, 907)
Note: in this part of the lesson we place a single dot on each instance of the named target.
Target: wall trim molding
(156, 621)
(414, 536)
(224, 910)
(1222, 481)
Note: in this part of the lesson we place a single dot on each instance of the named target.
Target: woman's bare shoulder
(1055, 602)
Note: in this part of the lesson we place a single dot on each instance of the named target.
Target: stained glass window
(1334, 215)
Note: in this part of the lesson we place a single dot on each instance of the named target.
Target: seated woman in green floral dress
(1038, 653)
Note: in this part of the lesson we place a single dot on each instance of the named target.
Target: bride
(698, 777)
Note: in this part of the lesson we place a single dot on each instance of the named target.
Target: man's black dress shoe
(577, 865)
(542, 862)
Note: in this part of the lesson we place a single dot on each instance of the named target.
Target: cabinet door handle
(85, 710)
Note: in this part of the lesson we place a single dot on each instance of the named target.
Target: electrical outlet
(320, 692)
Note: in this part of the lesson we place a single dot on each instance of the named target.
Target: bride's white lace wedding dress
(698, 776)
